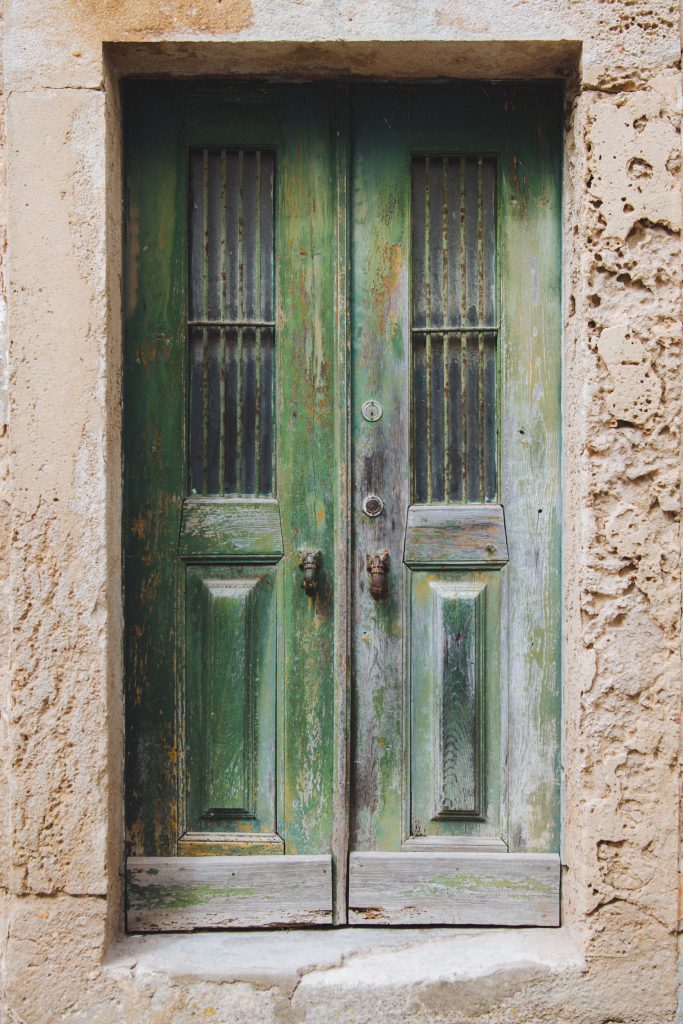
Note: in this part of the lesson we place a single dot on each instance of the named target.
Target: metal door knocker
(310, 562)
(378, 566)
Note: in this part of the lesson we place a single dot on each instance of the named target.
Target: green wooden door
(229, 435)
(341, 529)
(456, 336)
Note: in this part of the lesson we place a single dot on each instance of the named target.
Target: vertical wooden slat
(196, 410)
(232, 373)
(472, 414)
(436, 240)
(464, 432)
(232, 232)
(428, 391)
(471, 241)
(205, 410)
(258, 313)
(427, 247)
(266, 235)
(267, 447)
(222, 313)
(240, 235)
(428, 321)
(419, 383)
(488, 233)
(205, 314)
(437, 418)
(454, 198)
(213, 411)
(489, 440)
(446, 339)
(455, 424)
(240, 400)
(249, 253)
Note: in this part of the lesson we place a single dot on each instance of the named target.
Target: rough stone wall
(623, 419)
(60, 840)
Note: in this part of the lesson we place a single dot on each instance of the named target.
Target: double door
(341, 509)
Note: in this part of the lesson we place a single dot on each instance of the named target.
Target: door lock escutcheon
(373, 505)
(371, 410)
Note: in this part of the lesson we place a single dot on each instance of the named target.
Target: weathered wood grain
(454, 844)
(236, 530)
(464, 536)
(229, 844)
(188, 893)
(342, 526)
(454, 888)
(456, 756)
(380, 328)
(531, 330)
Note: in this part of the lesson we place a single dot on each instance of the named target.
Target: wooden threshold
(179, 894)
(454, 888)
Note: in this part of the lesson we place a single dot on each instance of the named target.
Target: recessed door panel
(231, 689)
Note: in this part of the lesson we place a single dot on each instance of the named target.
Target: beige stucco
(60, 617)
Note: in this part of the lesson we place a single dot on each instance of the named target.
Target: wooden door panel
(230, 702)
(454, 757)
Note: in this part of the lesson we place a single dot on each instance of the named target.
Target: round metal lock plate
(372, 411)
(373, 505)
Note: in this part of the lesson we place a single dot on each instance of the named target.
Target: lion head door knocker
(378, 566)
(310, 562)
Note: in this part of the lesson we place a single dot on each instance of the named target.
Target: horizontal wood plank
(217, 844)
(177, 894)
(231, 530)
(454, 844)
(454, 888)
(456, 535)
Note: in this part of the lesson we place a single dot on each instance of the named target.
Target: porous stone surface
(60, 684)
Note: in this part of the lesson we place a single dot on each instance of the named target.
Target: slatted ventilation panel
(454, 332)
(231, 327)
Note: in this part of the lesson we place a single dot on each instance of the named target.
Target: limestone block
(635, 390)
(636, 155)
(58, 309)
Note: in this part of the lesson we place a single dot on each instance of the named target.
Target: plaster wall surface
(64, 955)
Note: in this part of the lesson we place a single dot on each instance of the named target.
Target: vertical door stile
(342, 664)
